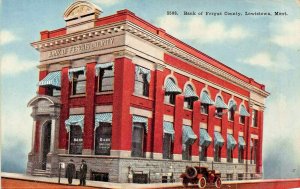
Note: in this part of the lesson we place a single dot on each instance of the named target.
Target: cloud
(199, 30)
(6, 36)
(275, 63)
(11, 64)
(287, 34)
(107, 2)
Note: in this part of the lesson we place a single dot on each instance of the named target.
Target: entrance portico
(45, 114)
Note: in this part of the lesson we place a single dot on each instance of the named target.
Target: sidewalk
(88, 182)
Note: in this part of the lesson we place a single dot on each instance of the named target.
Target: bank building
(139, 105)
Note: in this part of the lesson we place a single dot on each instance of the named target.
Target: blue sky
(266, 48)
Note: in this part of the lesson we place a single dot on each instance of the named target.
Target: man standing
(70, 171)
(82, 172)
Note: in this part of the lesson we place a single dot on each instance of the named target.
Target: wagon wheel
(185, 183)
(218, 182)
(202, 182)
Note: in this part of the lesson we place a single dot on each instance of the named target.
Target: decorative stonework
(80, 9)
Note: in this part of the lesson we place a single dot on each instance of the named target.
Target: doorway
(46, 143)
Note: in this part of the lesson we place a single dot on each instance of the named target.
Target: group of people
(71, 172)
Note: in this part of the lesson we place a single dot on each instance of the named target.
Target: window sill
(218, 117)
(169, 104)
(78, 95)
(204, 114)
(141, 96)
(254, 127)
(232, 121)
(104, 92)
(187, 109)
(242, 123)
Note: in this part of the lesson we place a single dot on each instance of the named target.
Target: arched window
(243, 114)
(171, 90)
(220, 106)
(189, 97)
(205, 102)
(231, 110)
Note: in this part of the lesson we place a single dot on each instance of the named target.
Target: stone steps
(40, 172)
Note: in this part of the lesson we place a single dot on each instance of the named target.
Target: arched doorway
(46, 143)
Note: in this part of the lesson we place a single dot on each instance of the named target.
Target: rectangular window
(137, 140)
(56, 92)
(78, 83)
(186, 153)
(188, 103)
(103, 139)
(241, 155)
(229, 176)
(255, 148)
(254, 118)
(170, 98)
(76, 141)
(240, 176)
(242, 119)
(229, 155)
(219, 112)
(217, 153)
(203, 153)
(141, 84)
(167, 146)
(204, 108)
(106, 79)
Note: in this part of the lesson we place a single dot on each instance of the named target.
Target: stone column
(33, 136)
(53, 128)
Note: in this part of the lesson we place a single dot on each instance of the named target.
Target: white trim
(254, 136)
(229, 131)
(186, 122)
(177, 157)
(157, 156)
(235, 160)
(195, 158)
(106, 58)
(224, 160)
(105, 108)
(217, 128)
(141, 112)
(120, 153)
(76, 111)
(168, 118)
(241, 133)
(203, 125)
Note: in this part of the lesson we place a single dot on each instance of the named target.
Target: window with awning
(242, 145)
(205, 139)
(102, 117)
(242, 142)
(231, 143)
(243, 114)
(188, 138)
(105, 76)
(103, 132)
(171, 87)
(74, 70)
(189, 97)
(205, 102)
(78, 78)
(141, 119)
(219, 140)
(168, 138)
(220, 103)
(231, 110)
(75, 120)
(53, 79)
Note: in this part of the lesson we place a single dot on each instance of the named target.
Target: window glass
(219, 112)
(188, 103)
(242, 119)
(103, 139)
(254, 118)
(204, 108)
(79, 83)
(141, 84)
(203, 153)
(186, 153)
(241, 155)
(170, 98)
(217, 154)
(76, 140)
(137, 140)
(229, 155)
(167, 146)
(106, 79)
(231, 114)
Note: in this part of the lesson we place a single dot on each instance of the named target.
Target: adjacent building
(138, 104)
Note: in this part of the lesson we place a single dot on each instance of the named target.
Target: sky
(266, 48)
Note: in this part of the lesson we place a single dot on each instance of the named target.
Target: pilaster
(178, 123)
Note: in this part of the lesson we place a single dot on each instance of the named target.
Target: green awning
(140, 119)
(219, 141)
(242, 142)
(52, 79)
(205, 139)
(243, 111)
(104, 118)
(220, 103)
(75, 120)
(171, 87)
(169, 129)
(205, 98)
(230, 142)
(103, 66)
(73, 70)
(188, 135)
(141, 70)
(190, 93)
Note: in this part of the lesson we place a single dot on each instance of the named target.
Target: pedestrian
(70, 171)
(82, 172)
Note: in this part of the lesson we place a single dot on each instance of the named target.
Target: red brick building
(138, 104)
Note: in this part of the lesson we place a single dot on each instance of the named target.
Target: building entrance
(46, 144)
